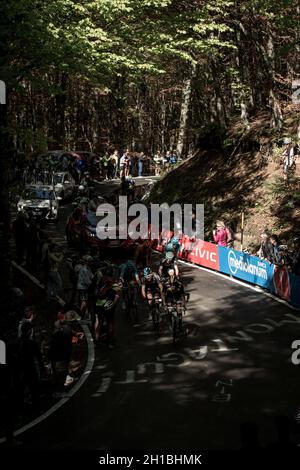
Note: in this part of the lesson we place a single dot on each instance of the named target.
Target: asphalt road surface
(234, 365)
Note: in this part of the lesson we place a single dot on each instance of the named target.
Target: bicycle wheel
(174, 327)
(155, 319)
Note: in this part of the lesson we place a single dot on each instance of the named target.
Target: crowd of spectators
(136, 163)
(272, 250)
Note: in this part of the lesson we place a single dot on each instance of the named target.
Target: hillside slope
(230, 182)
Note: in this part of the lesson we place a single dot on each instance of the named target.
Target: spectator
(54, 283)
(288, 157)
(266, 248)
(33, 241)
(84, 281)
(277, 252)
(222, 235)
(28, 316)
(141, 158)
(173, 158)
(296, 256)
(31, 364)
(107, 296)
(105, 166)
(159, 162)
(112, 165)
(60, 348)
(124, 164)
(20, 229)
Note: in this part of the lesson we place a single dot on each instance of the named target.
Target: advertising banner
(246, 267)
(252, 269)
(281, 285)
(294, 285)
(199, 252)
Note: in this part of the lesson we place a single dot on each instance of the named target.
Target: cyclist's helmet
(147, 273)
(130, 264)
(175, 241)
(169, 247)
(169, 255)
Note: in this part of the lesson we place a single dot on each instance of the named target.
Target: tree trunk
(276, 119)
(5, 232)
(185, 107)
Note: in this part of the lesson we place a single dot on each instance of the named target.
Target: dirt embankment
(246, 176)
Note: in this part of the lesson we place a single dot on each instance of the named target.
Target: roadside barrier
(277, 280)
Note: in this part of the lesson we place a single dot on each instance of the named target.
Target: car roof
(43, 187)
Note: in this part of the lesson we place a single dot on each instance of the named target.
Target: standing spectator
(288, 157)
(266, 249)
(31, 364)
(276, 251)
(44, 256)
(61, 342)
(124, 164)
(296, 256)
(107, 296)
(112, 166)
(222, 235)
(158, 161)
(129, 166)
(82, 167)
(33, 241)
(146, 164)
(173, 158)
(141, 158)
(73, 171)
(20, 229)
(105, 166)
(29, 316)
(54, 280)
(84, 281)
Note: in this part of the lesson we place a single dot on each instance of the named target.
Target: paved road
(233, 366)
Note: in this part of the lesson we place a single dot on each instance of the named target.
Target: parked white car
(39, 202)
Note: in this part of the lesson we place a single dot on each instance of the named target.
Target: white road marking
(158, 367)
(222, 346)
(105, 384)
(130, 379)
(199, 353)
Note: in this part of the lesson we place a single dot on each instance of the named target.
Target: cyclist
(174, 293)
(151, 285)
(107, 296)
(168, 262)
(173, 246)
(173, 287)
(129, 278)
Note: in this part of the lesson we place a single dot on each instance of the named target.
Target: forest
(144, 74)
